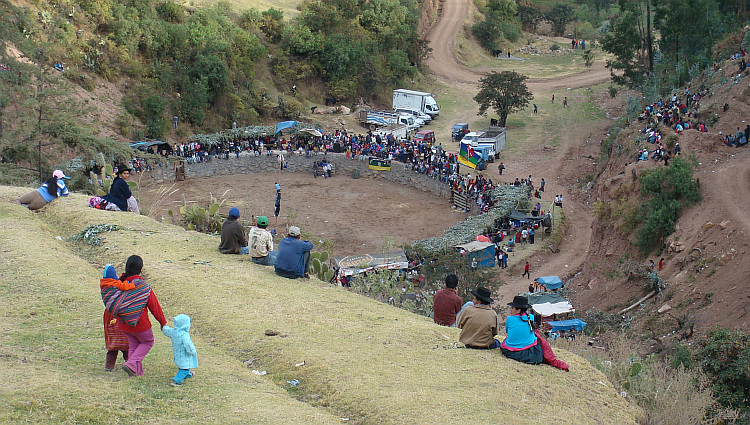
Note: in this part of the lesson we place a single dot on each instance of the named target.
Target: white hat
(294, 231)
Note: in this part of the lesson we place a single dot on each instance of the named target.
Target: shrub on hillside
(665, 192)
(724, 355)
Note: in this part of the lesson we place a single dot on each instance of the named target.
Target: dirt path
(730, 185)
(560, 170)
(444, 65)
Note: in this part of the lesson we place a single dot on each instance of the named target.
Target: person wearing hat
(120, 198)
(233, 239)
(48, 192)
(293, 259)
(478, 322)
(524, 343)
(261, 243)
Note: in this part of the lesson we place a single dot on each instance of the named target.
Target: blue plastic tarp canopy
(551, 282)
(566, 325)
(284, 125)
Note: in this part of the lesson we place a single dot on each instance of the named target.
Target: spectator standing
(526, 271)
(500, 169)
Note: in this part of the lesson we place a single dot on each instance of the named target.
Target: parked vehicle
(459, 131)
(427, 136)
(374, 119)
(418, 115)
(493, 137)
(398, 131)
(416, 100)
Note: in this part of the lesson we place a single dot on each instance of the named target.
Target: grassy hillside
(364, 360)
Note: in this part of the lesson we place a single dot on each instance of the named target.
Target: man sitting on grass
(478, 322)
(293, 259)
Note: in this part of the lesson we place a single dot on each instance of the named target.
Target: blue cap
(109, 272)
(234, 212)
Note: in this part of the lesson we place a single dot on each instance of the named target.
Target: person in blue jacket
(48, 192)
(293, 259)
(183, 349)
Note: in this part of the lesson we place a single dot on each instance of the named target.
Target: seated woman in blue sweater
(523, 343)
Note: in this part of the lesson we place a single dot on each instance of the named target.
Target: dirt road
(443, 64)
(559, 171)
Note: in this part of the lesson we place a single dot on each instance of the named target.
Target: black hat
(483, 294)
(520, 302)
(122, 168)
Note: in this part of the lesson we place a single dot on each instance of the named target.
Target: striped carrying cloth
(127, 305)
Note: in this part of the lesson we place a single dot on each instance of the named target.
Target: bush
(724, 355)
(666, 191)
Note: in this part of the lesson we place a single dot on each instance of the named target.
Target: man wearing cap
(233, 239)
(293, 259)
(261, 243)
(478, 322)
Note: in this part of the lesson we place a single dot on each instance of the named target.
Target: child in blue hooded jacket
(185, 355)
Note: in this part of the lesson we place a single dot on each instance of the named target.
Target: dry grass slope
(364, 360)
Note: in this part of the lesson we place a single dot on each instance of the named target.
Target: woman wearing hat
(48, 192)
(119, 198)
(523, 343)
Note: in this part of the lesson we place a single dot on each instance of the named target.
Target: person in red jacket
(447, 303)
(140, 337)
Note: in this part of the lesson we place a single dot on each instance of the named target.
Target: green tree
(529, 15)
(724, 354)
(154, 109)
(505, 92)
(560, 15)
(630, 42)
(683, 50)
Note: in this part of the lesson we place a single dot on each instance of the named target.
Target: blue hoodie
(185, 355)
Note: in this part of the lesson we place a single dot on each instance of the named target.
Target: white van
(418, 115)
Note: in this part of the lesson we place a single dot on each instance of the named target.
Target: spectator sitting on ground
(233, 239)
(293, 259)
(478, 322)
(261, 246)
(447, 303)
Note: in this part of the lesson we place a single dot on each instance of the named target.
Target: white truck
(491, 137)
(398, 131)
(417, 100)
(374, 119)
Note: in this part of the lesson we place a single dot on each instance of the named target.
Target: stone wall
(343, 168)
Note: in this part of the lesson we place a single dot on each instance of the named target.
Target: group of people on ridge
(479, 325)
(291, 260)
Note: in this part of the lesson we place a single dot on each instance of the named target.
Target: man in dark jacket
(233, 240)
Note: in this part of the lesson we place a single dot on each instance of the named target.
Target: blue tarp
(284, 125)
(551, 282)
(566, 325)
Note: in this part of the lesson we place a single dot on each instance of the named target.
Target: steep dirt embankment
(705, 258)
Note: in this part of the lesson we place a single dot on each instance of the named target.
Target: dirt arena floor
(356, 214)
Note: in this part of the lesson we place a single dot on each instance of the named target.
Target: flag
(467, 156)
(380, 164)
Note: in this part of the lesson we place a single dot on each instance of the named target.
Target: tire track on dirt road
(444, 65)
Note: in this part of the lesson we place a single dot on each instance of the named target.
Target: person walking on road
(526, 271)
